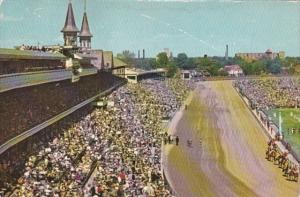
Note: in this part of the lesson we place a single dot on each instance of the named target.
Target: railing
(283, 142)
(19, 80)
(92, 170)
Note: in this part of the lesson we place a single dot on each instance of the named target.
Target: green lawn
(290, 119)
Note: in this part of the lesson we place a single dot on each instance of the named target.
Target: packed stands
(22, 109)
(12, 161)
(271, 93)
(123, 140)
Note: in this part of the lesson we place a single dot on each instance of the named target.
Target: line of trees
(213, 65)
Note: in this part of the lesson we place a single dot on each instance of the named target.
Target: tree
(162, 60)
(182, 60)
(275, 68)
(258, 67)
(203, 63)
(153, 64)
(213, 69)
(208, 65)
(222, 72)
(126, 56)
(171, 69)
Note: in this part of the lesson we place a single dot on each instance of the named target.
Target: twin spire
(85, 29)
(70, 25)
(70, 29)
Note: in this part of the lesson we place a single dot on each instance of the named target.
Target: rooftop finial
(84, 5)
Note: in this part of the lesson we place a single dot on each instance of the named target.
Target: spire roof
(85, 29)
(70, 25)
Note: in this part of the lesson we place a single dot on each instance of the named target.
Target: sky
(196, 27)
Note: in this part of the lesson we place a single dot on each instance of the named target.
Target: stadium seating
(24, 108)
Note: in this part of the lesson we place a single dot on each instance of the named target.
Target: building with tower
(70, 29)
(226, 52)
(269, 54)
(85, 35)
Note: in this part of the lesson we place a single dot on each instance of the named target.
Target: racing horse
(189, 143)
(268, 153)
(282, 159)
(272, 153)
(286, 168)
(293, 174)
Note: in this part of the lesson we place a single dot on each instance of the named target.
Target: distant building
(119, 67)
(99, 58)
(226, 52)
(134, 75)
(70, 29)
(186, 74)
(168, 52)
(35, 58)
(257, 56)
(234, 70)
(85, 35)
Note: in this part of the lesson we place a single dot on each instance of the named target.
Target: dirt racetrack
(227, 157)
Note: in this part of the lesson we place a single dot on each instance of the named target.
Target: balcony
(18, 80)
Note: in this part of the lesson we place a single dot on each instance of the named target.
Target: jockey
(285, 154)
(274, 147)
(271, 142)
(294, 169)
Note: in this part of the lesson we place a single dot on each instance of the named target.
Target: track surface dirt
(227, 156)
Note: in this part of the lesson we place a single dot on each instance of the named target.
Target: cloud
(147, 17)
(180, 30)
(1, 1)
(10, 18)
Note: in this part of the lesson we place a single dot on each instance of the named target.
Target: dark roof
(28, 54)
(119, 63)
(85, 29)
(70, 25)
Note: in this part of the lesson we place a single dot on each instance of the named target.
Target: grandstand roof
(119, 63)
(108, 57)
(29, 54)
(137, 71)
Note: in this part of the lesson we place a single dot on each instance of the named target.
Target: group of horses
(290, 170)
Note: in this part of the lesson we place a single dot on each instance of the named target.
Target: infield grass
(290, 119)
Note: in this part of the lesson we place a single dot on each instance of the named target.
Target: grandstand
(134, 75)
(18, 61)
(54, 140)
(40, 98)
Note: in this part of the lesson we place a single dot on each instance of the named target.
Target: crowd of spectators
(123, 139)
(24, 108)
(271, 93)
(133, 167)
(35, 48)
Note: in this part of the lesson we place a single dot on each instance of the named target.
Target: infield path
(227, 157)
